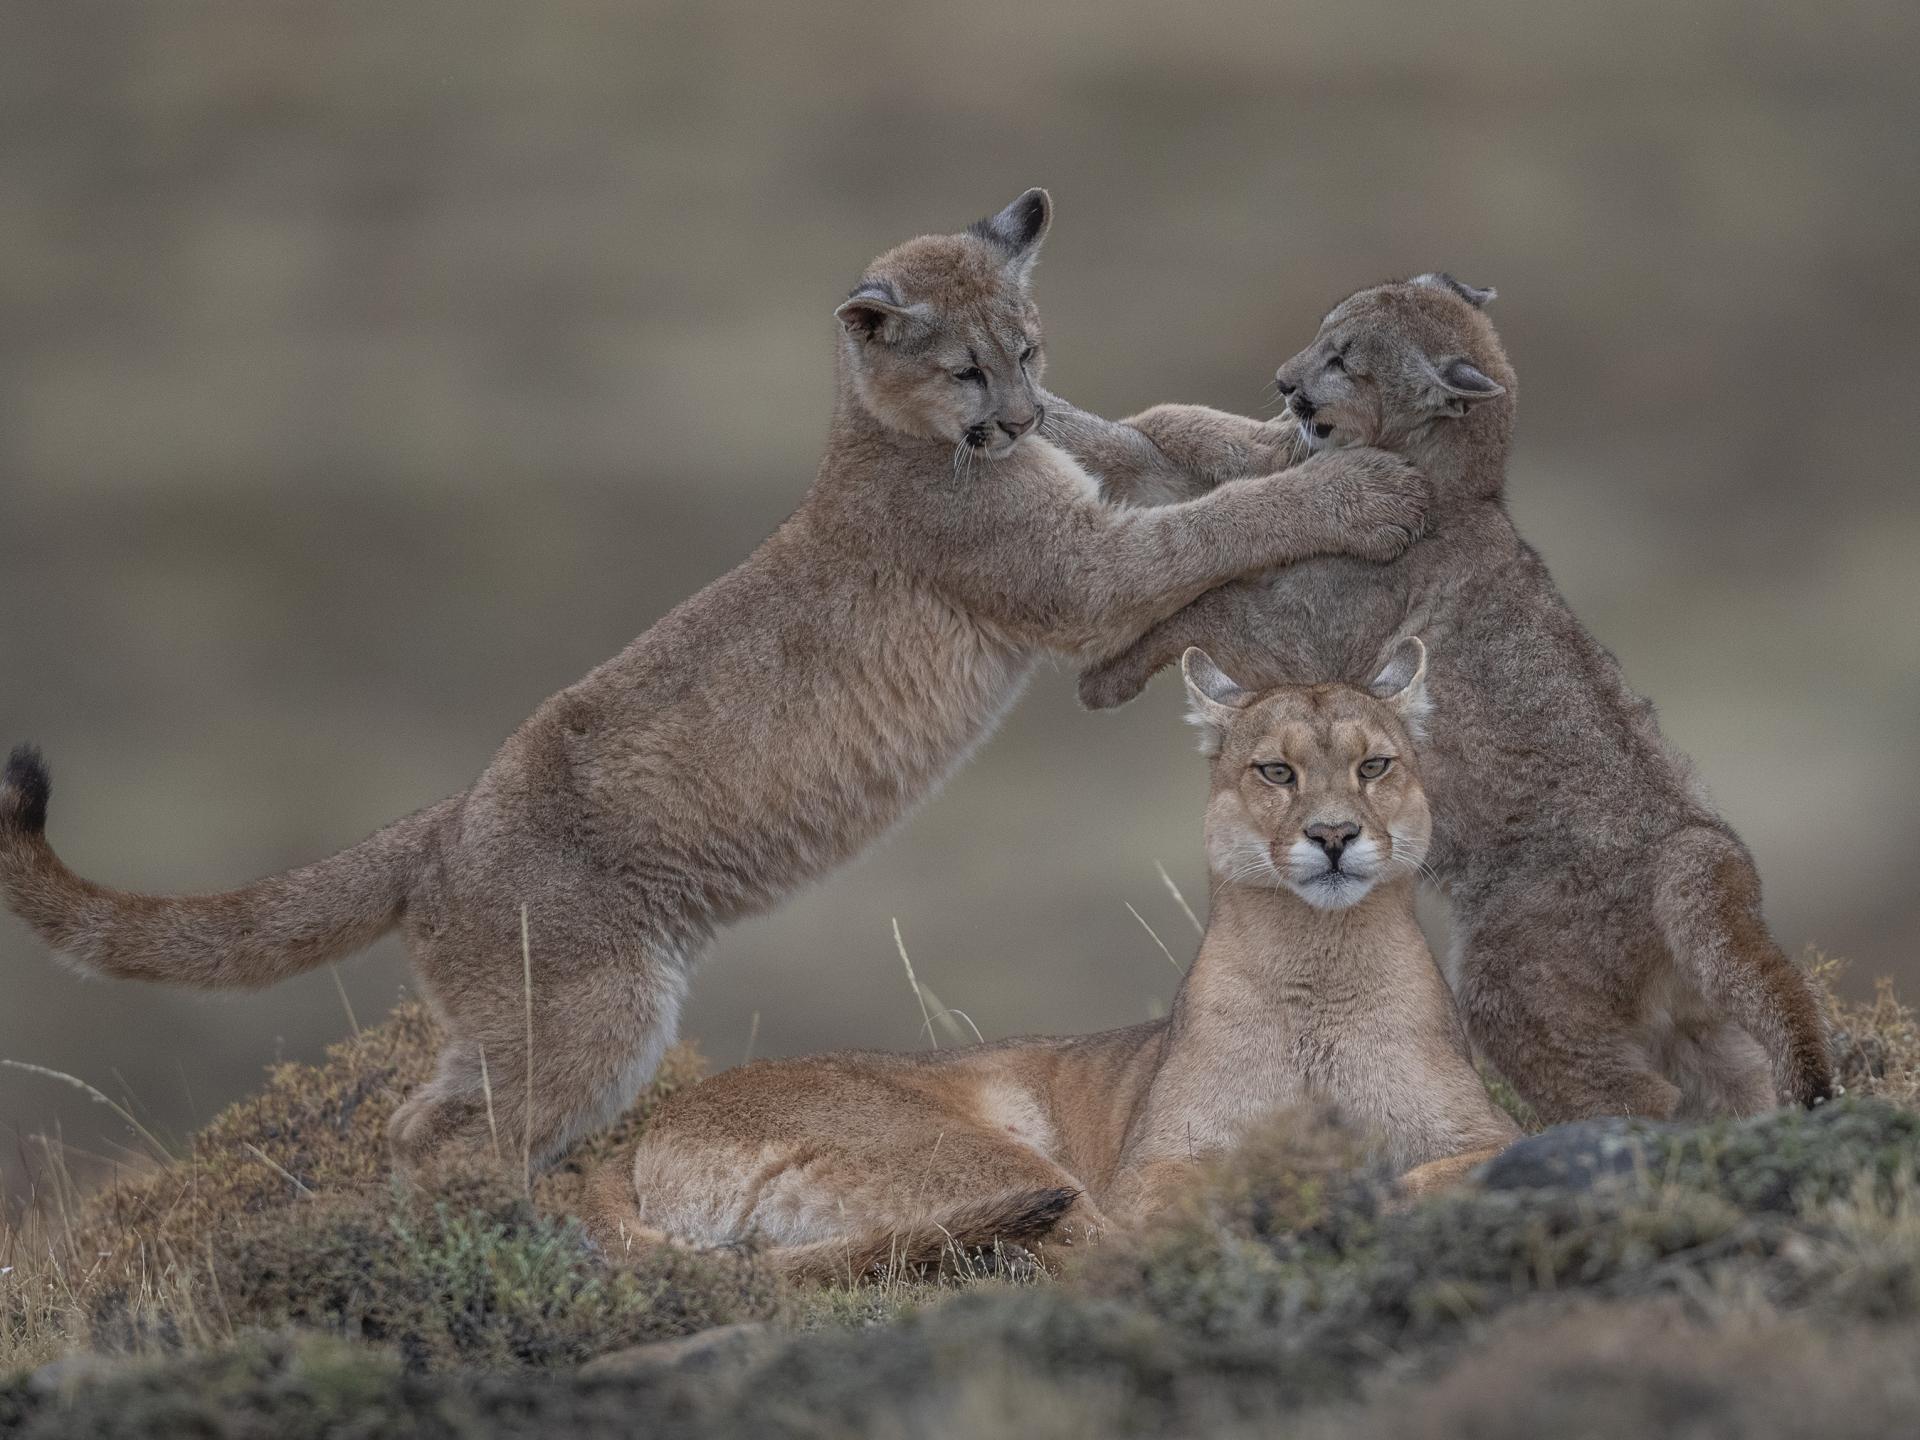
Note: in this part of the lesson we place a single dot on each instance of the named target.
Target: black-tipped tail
(24, 791)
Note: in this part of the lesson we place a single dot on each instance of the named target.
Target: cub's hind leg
(527, 1070)
(1720, 1069)
(1706, 896)
(1566, 1047)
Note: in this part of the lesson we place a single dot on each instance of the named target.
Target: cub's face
(1391, 361)
(942, 338)
(1315, 788)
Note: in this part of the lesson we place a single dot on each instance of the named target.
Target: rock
(722, 1346)
(1580, 1155)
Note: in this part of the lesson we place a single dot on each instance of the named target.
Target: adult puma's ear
(1475, 295)
(1213, 699)
(1019, 229)
(1402, 683)
(874, 312)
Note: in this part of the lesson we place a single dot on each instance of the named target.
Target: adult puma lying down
(1313, 984)
(763, 732)
(1609, 954)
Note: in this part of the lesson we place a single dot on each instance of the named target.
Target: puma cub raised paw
(1373, 503)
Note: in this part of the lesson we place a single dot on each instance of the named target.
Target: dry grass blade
(526, 1128)
(945, 1015)
(1156, 938)
(160, 1151)
(1179, 899)
(900, 944)
(493, 1125)
(275, 1165)
(340, 987)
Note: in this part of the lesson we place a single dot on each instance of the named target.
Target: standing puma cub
(762, 733)
(1609, 951)
(1313, 985)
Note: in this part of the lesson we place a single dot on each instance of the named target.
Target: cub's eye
(973, 373)
(1334, 362)
(1374, 768)
(1275, 773)
(1028, 353)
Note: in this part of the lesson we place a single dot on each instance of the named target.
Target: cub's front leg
(1219, 622)
(1225, 620)
(1171, 452)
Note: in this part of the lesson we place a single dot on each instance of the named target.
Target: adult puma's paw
(1375, 503)
(1113, 682)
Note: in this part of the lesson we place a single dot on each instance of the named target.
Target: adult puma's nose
(1018, 426)
(1284, 387)
(1332, 839)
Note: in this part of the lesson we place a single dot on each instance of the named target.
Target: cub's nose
(1280, 382)
(1016, 428)
(1332, 839)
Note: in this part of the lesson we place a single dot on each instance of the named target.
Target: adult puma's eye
(1028, 353)
(1275, 773)
(972, 372)
(1334, 362)
(1374, 768)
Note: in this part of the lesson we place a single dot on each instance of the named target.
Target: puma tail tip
(24, 790)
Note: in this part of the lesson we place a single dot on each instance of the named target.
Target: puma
(759, 735)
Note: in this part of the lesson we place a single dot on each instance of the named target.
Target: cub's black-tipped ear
(874, 312)
(1019, 229)
(1475, 295)
(1402, 683)
(1213, 698)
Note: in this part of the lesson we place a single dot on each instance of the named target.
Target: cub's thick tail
(1018, 1217)
(257, 935)
(1708, 898)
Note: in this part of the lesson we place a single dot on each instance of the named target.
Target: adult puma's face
(943, 339)
(1393, 360)
(1315, 788)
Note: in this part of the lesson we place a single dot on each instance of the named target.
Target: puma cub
(1313, 984)
(763, 732)
(1609, 953)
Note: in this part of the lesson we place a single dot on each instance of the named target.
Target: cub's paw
(1376, 503)
(1113, 682)
(1276, 446)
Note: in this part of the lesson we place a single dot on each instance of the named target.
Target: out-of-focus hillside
(369, 371)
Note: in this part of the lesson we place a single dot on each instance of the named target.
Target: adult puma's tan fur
(1610, 954)
(1313, 985)
(763, 732)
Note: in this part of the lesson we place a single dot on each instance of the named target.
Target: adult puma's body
(760, 734)
(1609, 951)
(1313, 986)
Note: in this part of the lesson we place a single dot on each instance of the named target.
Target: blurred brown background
(371, 370)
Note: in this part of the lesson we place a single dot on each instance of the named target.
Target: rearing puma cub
(1609, 952)
(1313, 985)
(760, 734)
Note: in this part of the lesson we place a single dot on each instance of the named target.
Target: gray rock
(1580, 1155)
